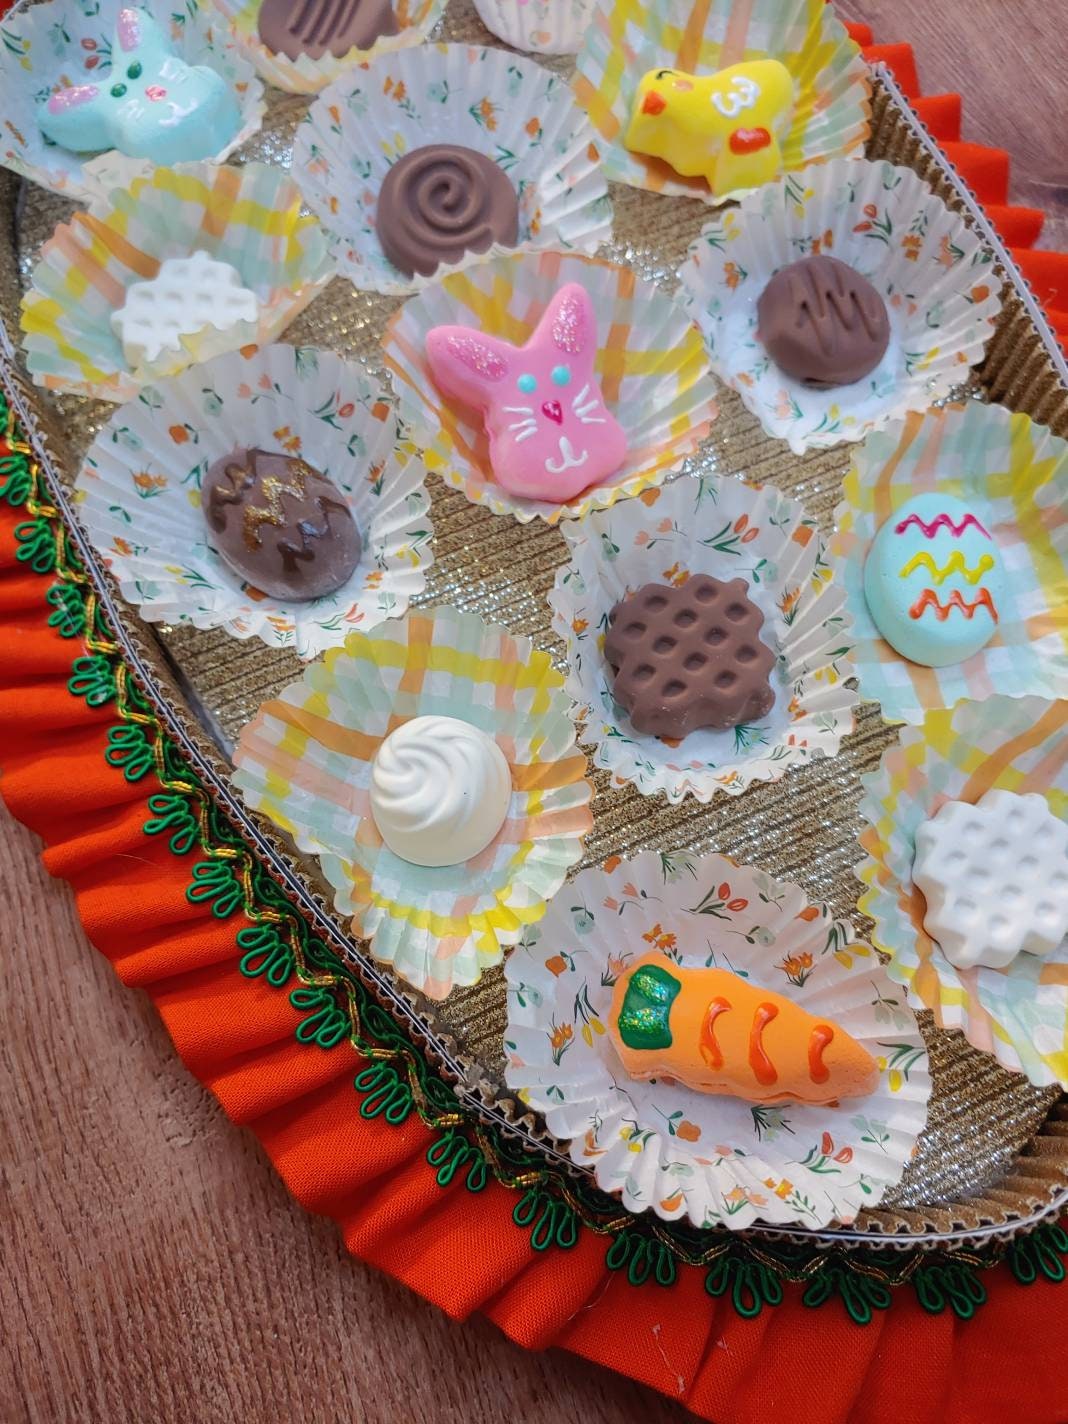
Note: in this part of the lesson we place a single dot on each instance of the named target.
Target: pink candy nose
(553, 410)
(154, 92)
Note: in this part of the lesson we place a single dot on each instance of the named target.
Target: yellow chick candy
(724, 128)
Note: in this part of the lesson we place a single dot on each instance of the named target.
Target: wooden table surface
(153, 1265)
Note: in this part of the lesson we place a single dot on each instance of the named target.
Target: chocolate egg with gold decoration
(279, 524)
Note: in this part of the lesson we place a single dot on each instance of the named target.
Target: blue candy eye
(527, 383)
(561, 375)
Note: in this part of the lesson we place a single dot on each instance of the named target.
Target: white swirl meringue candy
(995, 878)
(440, 790)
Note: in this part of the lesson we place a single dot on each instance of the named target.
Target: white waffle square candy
(187, 295)
(995, 877)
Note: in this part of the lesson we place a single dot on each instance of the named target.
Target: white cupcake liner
(249, 217)
(664, 397)
(416, 18)
(626, 38)
(513, 111)
(40, 45)
(1020, 1013)
(726, 529)
(709, 1158)
(539, 26)
(305, 762)
(139, 493)
(1013, 474)
(941, 293)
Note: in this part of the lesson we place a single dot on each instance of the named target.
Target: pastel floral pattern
(714, 1160)
(512, 110)
(41, 43)
(728, 530)
(935, 275)
(1019, 1014)
(139, 493)
(541, 26)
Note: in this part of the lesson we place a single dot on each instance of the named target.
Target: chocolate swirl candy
(280, 525)
(441, 201)
(318, 27)
(822, 323)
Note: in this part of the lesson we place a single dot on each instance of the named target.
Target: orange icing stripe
(821, 1036)
(762, 1066)
(710, 1049)
(929, 599)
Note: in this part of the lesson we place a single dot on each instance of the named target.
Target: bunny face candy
(550, 433)
(723, 127)
(156, 106)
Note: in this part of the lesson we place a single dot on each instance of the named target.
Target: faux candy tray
(993, 1160)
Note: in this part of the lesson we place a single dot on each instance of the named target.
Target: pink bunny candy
(551, 435)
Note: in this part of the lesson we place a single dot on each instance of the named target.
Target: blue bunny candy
(156, 106)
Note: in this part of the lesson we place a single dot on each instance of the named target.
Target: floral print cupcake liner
(305, 762)
(714, 1160)
(540, 26)
(726, 529)
(45, 44)
(936, 277)
(651, 366)
(249, 217)
(139, 493)
(513, 111)
(1012, 474)
(1020, 1013)
(415, 20)
(626, 38)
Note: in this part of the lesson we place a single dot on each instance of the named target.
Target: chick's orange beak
(653, 103)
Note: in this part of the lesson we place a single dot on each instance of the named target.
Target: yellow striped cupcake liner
(651, 364)
(1012, 473)
(1019, 1014)
(249, 217)
(305, 761)
(626, 38)
(415, 20)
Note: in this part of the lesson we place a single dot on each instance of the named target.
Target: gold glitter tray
(993, 1159)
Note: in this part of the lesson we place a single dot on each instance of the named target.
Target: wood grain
(154, 1266)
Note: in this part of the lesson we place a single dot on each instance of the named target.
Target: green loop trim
(953, 1284)
(68, 614)
(92, 678)
(128, 749)
(325, 1023)
(550, 1221)
(453, 1151)
(384, 1094)
(861, 1294)
(1040, 1254)
(642, 1258)
(214, 883)
(172, 813)
(751, 1284)
(266, 955)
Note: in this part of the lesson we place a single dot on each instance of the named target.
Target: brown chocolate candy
(689, 657)
(318, 27)
(441, 201)
(280, 525)
(822, 323)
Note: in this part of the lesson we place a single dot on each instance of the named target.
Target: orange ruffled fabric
(463, 1252)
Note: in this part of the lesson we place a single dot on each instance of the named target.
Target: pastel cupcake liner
(651, 366)
(249, 217)
(513, 111)
(539, 26)
(1012, 474)
(936, 278)
(1020, 1013)
(726, 529)
(43, 45)
(415, 20)
(305, 762)
(139, 493)
(626, 38)
(714, 1160)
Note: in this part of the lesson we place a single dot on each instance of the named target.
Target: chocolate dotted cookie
(689, 657)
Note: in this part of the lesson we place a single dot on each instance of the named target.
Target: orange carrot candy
(719, 1034)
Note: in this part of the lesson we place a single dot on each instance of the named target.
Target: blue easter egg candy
(934, 581)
